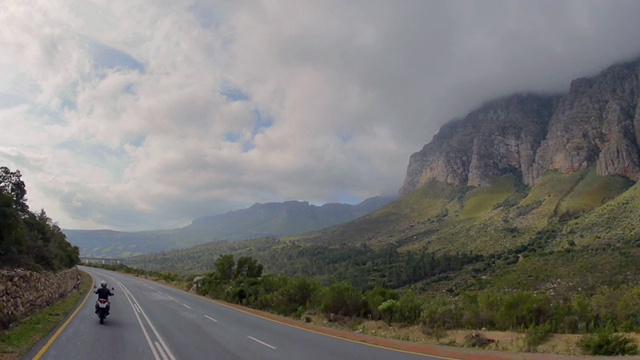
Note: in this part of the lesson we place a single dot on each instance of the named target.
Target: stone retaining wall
(23, 292)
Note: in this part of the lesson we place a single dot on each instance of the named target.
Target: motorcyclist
(103, 293)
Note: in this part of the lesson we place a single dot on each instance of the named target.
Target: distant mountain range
(260, 220)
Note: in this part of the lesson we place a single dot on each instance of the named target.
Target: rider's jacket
(103, 293)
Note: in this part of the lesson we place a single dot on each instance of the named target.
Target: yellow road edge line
(63, 326)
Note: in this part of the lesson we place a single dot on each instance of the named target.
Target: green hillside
(616, 223)
(443, 237)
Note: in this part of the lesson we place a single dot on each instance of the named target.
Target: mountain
(286, 218)
(536, 192)
(596, 124)
(270, 219)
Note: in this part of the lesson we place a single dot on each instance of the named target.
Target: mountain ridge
(259, 220)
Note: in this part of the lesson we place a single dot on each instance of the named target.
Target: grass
(19, 339)
(570, 272)
(614, 222)
(594, 191)
(481, 200)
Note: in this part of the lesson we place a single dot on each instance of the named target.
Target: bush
(607, 343)
(409, 308)
(536, 335)
(374, 298)
(342, 299)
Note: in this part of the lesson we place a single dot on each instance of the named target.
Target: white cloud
(146, 114)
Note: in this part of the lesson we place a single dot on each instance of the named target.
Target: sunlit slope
(504, 215)
(393, 221)
(616, 223)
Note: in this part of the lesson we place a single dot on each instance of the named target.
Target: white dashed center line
(261, 342)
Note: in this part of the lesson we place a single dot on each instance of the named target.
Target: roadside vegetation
(601, 316)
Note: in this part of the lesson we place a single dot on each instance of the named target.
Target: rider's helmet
(103, 284)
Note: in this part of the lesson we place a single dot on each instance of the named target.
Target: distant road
(152, 321)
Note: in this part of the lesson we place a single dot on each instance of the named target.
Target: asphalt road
(152, 321)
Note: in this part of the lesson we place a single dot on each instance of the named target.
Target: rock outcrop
(597, 123)
(594, 125)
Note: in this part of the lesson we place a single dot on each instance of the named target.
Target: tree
(12, 241)
(29, 240)
(248, 267)
(224, 267)
(11, 183)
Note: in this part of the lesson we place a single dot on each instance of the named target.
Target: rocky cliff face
(596, 124)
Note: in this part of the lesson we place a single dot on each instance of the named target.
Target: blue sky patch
(232, 137)
(47, 115)
(10, 100)
(205, 15)
(98, 155)
(130, 89)
(262, 121)
(236, 138)
(68, 104)
(233, 94)
(345, 138)
(112, 58)
(138, 140)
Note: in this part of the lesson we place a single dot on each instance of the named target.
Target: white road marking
(210, 318)
(261, 342)
(164, 356)
(187, 306)
(144, 330)
(153, 328)
(167, 295)
(136, 308)
(132, 301)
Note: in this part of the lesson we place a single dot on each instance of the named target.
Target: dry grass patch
(506, 341)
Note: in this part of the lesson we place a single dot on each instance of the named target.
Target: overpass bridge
(97, 260)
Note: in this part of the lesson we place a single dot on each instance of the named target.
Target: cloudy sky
(130, 115)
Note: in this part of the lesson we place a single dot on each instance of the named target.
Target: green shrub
(536, 335)
(607, 343)
(409, 308)
(388, 309)
(374, 298)
(342, 299)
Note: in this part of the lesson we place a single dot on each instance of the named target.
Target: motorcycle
(102, 308)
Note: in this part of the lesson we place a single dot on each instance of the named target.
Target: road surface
(153, 321)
